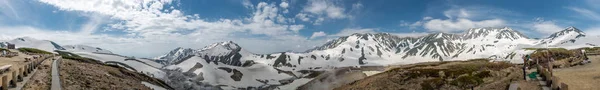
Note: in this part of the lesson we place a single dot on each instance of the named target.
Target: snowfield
(84, 48)
(29, 42)
(150, 68)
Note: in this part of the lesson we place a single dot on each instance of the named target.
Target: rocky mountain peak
(176, 55)
(228, 45)
(568, 31)
(499, 33)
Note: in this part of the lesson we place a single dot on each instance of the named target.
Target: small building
(10, 46)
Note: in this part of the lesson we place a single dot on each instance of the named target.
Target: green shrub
(62, 53)
(466, 82)
(483, 74)
(82, 59)
(33, 50)
(479, 59)
(556, 53)
(424, 72)
(498, 65)
(432, 84)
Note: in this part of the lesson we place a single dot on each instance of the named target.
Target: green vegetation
(71, 56)
(3, 49)
(33, 50)
(468, 81)
(591, 48)
(544, 55)
(463, 75)
(432, 84)
(541, 49)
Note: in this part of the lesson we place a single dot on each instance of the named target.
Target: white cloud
(302, 16)
(296, 28)
(247, 4)
(427, 18)
(320, 10)
(461, 24)
(324, 7)
(319, 21)
(284, 5)
(318, 34)
(546, 27)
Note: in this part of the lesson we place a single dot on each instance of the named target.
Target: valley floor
(581, 77)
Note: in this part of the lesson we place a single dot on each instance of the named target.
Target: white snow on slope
(215, 76)
(34, 43)
(139, 66)
(85, 48)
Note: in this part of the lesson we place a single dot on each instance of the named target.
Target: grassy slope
(33, 50)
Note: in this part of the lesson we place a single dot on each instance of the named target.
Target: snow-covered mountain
(177, 55)
(473, 43)
(219, 60)
(569, 35)
(85, 48)
(569, 38)
(34, 43)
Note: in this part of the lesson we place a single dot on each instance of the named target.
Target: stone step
(543, 83)
(546, 88)
(513, 86)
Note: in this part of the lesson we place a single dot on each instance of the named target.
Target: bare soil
(77, 75)
(581, 77)
(529, 85)
(41, 79)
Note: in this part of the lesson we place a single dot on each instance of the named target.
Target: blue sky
(148, 28)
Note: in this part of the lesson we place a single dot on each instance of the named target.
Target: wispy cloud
(7, 8)
(586, 13)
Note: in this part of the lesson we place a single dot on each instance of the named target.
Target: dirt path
(582, 77)
(40, 80)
